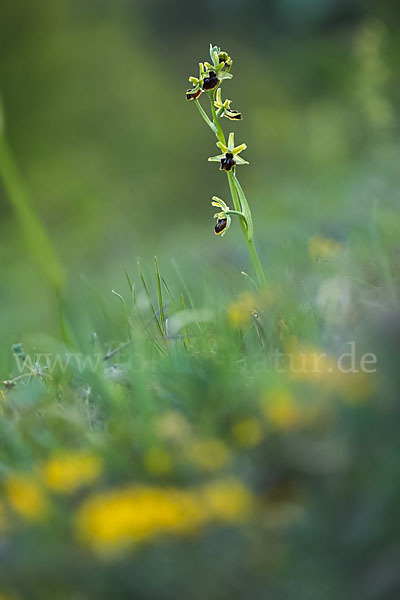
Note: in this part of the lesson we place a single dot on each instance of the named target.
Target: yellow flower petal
(69, 470)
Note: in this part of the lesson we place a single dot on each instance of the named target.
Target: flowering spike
(211, 77)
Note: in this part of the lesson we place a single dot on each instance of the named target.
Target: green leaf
(38, 242)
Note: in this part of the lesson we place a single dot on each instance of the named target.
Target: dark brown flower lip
(211, 81)
(220, 226)
(234, 115)
(227, 162)
(192, 94)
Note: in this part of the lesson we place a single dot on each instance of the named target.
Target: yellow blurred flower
(354, 388)
(248, 432)
(113, 520)
(172, 426)
(321, 247)
(247, 306)
(67, 471)
(283, 410)
(210, 454)
(240, 312)
(280, 409)
(25, 496)
(227, 500)
(311, 364)
(157, 461)
(315, 366)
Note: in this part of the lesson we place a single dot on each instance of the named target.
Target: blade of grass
(131, 285)
(146, 289)
(34, 234)
(145, 328)
(186, 341)
(160, 298)
(64, 328)
(170, 296)
(185, 287)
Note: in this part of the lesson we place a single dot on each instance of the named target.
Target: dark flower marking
(228, 162)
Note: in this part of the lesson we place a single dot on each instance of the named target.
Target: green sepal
(233, 115)
(222, 147)
(212, 50)
(219, 202)
(239, 148)
(224, 75)
(240, 161)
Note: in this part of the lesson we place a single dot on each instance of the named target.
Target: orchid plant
(209, 81)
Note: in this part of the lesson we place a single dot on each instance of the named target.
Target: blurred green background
(116, 161)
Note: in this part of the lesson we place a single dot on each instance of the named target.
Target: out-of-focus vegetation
(174, 438)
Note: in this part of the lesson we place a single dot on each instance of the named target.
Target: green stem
(219, 133)
(205, 117)
(235, 212)
(262, 282)
(250, 234)
(239, 214)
